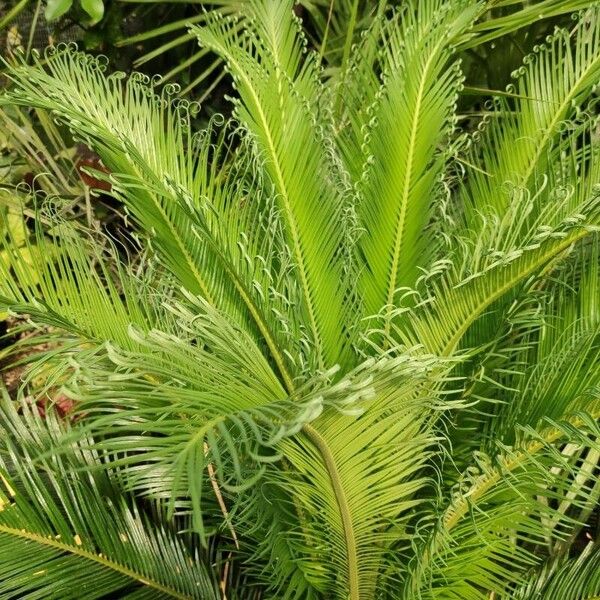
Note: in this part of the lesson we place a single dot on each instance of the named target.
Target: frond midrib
(100, 559)
(406, 191)
(344, 508)
(290, 215)
(450, 346)
(484, 483)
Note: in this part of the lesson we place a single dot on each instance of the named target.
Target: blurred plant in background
(153, 36)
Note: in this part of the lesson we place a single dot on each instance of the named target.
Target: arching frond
(279, 88)
(67, 533)
(165, 410)
(540, 361)
(268, 521)
(505, 250)
(517, 148)
(502, 510)
(230, 405)
(536, 181)
(565, 362)
(404, 146)
(164, 174)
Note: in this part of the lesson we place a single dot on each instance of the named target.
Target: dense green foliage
(350, 351)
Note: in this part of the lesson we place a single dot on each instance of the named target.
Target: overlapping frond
(69, 533)
(519, 144)
(564, 359)
(504, 509)
(403, 146)
(358, 478)
(528, 217)
(460, 297)
(177, 403)
(271, 544)
(209, 221)
(278, 91)
(225, 390)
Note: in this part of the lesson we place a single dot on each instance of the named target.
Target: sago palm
(351, 352)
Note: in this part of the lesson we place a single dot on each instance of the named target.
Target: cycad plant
(351, 352)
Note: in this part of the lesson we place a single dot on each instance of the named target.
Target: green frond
(504, 249)
(176, 402)
(272, 542)
(567, 579)
(71, 534)
(554, 384)
(358, 478)
(504, 513)
(162, 173)
(493, 25)
(339, 27)
(517, 149)
(530, 182)
(117, 120)
(411, 123)
(265, 379)
(278, 88)
(456, 305)
(358, 87)
(165, 410)
(546, 360)
(72, 283)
